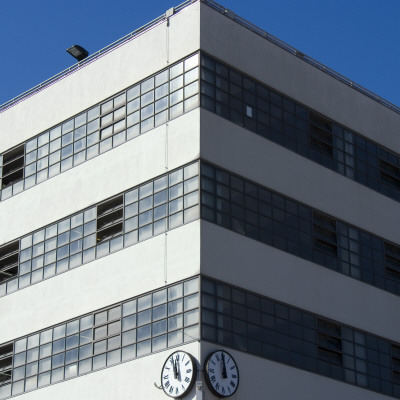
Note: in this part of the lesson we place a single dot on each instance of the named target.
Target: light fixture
(78, 52)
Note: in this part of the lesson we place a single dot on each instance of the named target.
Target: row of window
(248, 322)
(230, 316)
(174, 91)
(261, 214)
(136, 215)
(247, 103)
(173, 199)
(124, 331)
(146, 105)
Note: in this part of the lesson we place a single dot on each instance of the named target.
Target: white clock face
(178, 374)
(221, 373)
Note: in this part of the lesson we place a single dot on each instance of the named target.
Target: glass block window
(248, 322)
(133, 328)
(140, 213)
(144, 106)
(261, 214)
(256, 107)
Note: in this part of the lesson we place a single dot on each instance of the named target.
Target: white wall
(103, 282)
(115, 71)
(117, 170)
(131, 380)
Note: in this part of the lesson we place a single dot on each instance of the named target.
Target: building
(199, 186)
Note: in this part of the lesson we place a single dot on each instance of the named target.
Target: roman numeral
(188, 371)
(233, 367)
(233, 384)
(186, 362)
(187, 380)
(211, 370)
(212, 378)
(171, 389)
(165, 376)
(167, 384)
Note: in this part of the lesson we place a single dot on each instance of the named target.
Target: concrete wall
(119, 169)
(268, 63)
(269, 164)
(127, 273)
(116, 70)
(246, 263)
(264, 379)
(131, 380)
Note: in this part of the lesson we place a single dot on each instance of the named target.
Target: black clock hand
(224, 374)
(174, 368)
(178, 370)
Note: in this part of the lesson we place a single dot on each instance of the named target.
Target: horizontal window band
(257, 325)
(296, 228)
(254, 106)
(147, 210)
(102, 127)
(75, 347)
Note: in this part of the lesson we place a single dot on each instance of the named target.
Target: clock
(221, 373)
(178, 374)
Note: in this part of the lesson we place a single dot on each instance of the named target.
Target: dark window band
(246, 321)
(254, 106)
(268, 217)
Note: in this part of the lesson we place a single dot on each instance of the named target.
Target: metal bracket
(199, 390)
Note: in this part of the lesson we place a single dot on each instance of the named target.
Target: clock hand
(224, 374)
(174, 367)
(178, 370)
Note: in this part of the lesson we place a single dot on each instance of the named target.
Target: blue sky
(357, 38)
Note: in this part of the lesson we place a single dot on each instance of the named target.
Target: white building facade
(200, 186)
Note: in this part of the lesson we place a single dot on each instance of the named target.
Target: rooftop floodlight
(78, 52)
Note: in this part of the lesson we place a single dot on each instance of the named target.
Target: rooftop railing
(230, 14)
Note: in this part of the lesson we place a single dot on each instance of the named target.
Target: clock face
(221, 373)
(178, 374)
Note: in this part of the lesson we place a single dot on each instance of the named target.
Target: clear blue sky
(357, 38)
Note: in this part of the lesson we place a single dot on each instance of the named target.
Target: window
(389, 172)
(324, 233)
(9, 261)
(320, 133)
(136, 327)
(110, 219)
(147, 104)
(392, 258)
(6, 352)
(13, 166)
(329, 341)
(396, 363)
